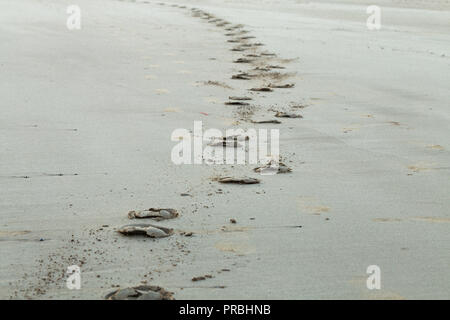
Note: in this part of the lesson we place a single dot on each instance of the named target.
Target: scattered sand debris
(280, 114)
(282, 86)
(236, 137)
(262, 89)
(273, 167)
(140, 293)
(150, 230)
(229, 141)
(299, 106)
(267, 121)
(274, 75)
(239, 180)
(225, 143)
(250, 45)
(154, 213)
(206, 276)
(217, 83)
(240, 98)
(245, 112)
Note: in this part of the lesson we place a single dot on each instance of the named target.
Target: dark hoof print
(243, 60)
(282, 86)
(154, 213)
(241, 76)
(274, 121)
(276, 67)
(240, 98)
(236, 103)
(226, 143)
(149, 230)
(287, 115)
(239, 180)
(262, 89)
(273, 168)
(262, 69)
(140, 293)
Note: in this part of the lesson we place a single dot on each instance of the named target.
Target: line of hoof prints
(261, 68)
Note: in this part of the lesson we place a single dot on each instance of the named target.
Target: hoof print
(236, 103)
(262, 89)
(243, 60)
(150, 230)
(282, 86)
(275, 121)
(239, 180)
(140, 293)
(241, 76)
(273, 168)
(200, 278)
(287, 115)
(225, 143)
(154, 213)
(239, 98)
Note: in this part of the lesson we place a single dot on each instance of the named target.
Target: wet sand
(86, 118)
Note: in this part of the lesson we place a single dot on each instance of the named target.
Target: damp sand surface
(86, 118)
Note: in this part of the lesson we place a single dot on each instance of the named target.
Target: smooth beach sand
(86, 118)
